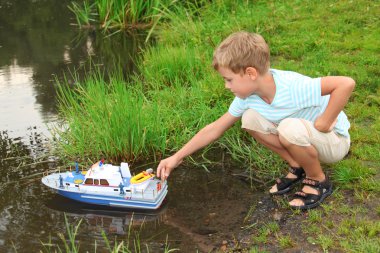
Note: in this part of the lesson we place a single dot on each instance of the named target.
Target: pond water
(38, 43)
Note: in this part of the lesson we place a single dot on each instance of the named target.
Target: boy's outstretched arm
(340, 89)
(204, 137)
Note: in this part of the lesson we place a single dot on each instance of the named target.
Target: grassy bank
(116, 15)
(177, 93)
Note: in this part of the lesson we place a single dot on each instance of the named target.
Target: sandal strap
(324, 189)
(307, 198)
(298, 171)
(284, 182)
(321, 187)
(311, 182)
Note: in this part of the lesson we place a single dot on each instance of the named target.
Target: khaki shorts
(331, 146)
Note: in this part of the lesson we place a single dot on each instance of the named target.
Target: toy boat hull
(111, 201)
(150, 197)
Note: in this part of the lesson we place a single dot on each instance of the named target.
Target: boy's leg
(308, 158)
(265, 133)
(272, 142)
(308, 146)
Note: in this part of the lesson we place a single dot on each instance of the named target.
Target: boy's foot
(288, 182)
(312, 194)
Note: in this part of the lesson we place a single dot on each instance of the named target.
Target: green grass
(110, 15)
(285, 241)
(82, 13)
(112, 120)
(177, 84)
(117, 15)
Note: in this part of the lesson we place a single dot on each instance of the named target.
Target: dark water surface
(38, 43)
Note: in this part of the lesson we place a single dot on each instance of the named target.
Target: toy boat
(108, 185)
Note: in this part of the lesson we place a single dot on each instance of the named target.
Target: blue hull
(113, 201)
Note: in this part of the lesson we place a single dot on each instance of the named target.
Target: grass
(108, 120)
(115, 15)
(315, 38)
(176, 73)
(82, 13)
(285, 241)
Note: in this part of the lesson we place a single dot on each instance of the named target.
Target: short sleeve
(237, 107)
(306, 92)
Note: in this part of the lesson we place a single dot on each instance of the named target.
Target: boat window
(104, 182)
(89, 181)
(96, 181)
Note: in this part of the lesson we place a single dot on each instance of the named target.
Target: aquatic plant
(110, 119)
(83, 14)
(116, 14)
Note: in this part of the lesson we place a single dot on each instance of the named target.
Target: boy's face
(241, 84)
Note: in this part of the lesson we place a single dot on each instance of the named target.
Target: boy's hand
(166, 166)
(323, 126)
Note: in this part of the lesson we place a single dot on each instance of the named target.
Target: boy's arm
(340, 89)
(204, 137)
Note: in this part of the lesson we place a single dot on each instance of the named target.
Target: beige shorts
(331, 146)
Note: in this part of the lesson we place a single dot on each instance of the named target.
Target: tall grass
(116, 14)
(83, 13)
(108, 119)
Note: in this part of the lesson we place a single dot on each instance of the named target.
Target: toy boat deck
(108, 185)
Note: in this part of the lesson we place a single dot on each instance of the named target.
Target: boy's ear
(252, 72)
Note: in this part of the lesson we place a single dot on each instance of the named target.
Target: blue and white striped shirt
(297, 96)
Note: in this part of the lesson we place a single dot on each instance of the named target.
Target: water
(37, 45)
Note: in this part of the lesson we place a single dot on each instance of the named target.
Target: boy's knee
(251, 120)
(248, 119)
(293, 131)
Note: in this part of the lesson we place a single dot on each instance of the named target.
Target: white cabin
(107, 175)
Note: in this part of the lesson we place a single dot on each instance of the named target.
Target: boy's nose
(226, 85)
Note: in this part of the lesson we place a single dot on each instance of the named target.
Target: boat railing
(48, 172)
(56, 182)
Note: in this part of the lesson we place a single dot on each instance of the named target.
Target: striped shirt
(297, 96)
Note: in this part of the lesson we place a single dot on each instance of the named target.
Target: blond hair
(241, 50)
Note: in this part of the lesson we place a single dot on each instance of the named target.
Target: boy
(298, 117)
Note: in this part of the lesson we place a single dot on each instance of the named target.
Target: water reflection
(20, 192)
(18, 98)
(110, 220)
(42, 43)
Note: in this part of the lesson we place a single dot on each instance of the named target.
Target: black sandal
(313, 200)
(285, 184)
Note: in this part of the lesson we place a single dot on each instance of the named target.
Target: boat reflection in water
(109, 219)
